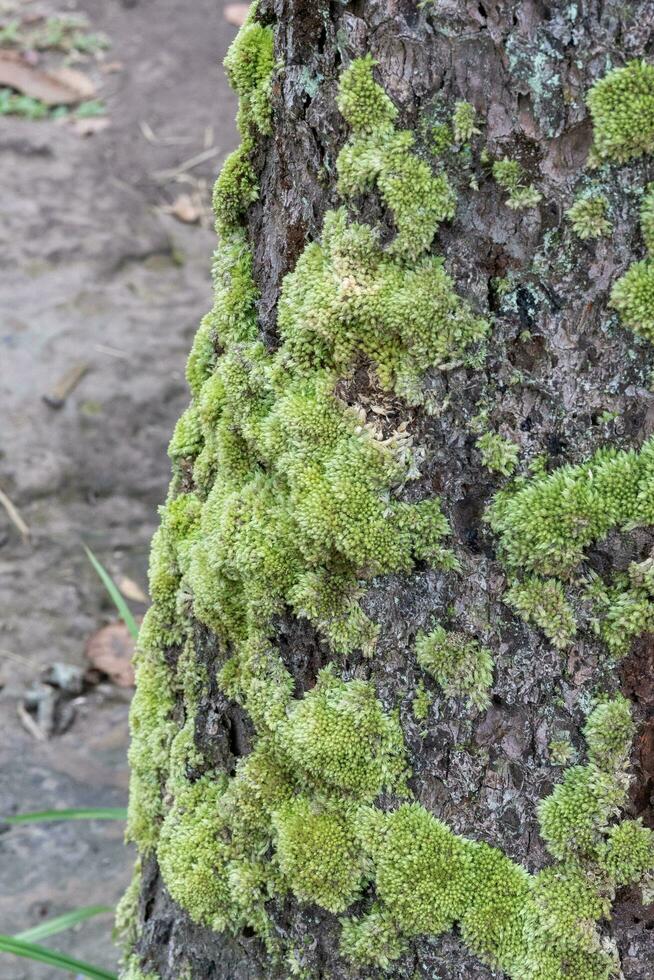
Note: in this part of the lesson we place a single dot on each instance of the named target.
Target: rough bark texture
(557, 362)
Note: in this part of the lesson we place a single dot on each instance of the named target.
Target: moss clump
(561, 751)
(192, 857)
(249, 64)
(588, 216)
(498, 454)
(372, 940)
(152, 729)
(542, 601)
(421, 702)
(511, 177)
(318, 852)
(546, 523)
(379, 156)
(341, 740)
(560, 927)
(633, 297)
(458, 663)
(463, 122)
(628, 854)
(623, 608)
(622, 109)
(346, 297)
(421, 869)
(575, 817)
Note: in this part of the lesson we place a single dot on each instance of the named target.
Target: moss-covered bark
(405, 564)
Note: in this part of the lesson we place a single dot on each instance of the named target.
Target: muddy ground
(92, 271)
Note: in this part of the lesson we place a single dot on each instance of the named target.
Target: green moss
(561, 751)
(193, 859)
(318, 852)
(152, 729)
(510, 176)
(628, 854)
(577, 814)
(340, 739)
(624, 608)
(560, 926)
(543, 602)
(633, 297)
(249, 64)
(361, 101)
(546, 523)
(421, 702)
(498, 454)
(346, 297)
(458, 663)
(126, 920)
(372, 940)
(463, 122)
(622, 109)
(422, 870)
(285, 499)
(491, 918)
(609, 733)
(379, 156)
(236, 189)
(588, 216)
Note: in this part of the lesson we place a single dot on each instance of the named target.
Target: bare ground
(92, 271)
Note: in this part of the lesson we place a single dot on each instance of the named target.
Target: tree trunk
(279, 556)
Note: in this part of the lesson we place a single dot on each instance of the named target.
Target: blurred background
(115, 116)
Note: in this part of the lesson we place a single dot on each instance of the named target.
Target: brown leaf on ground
(235, 13)
(131, 589)
(185, 209)
(66, 86)
(110, 651)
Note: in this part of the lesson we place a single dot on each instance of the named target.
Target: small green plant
(458, 663)
(511, 177)
(463, 122)
(112, 589)
(588, 217)
(498, 454)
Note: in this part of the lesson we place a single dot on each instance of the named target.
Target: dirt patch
(94, 272)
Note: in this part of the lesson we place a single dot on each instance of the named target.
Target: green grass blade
(42, 955)
(66, 921)
(112, 589)
(81, 813)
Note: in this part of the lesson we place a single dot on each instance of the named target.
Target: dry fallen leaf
(235, 13)
(110, 651)
(131, 589)
(185, 209)
(66, 86)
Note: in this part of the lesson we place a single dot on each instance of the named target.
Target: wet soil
(93, 271)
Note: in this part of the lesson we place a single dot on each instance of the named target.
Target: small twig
(152, 137)
(29, 724)
(112, 351)
(164, 175)
(66, 385)
(14, 516)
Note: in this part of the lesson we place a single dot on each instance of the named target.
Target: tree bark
(557, 362)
